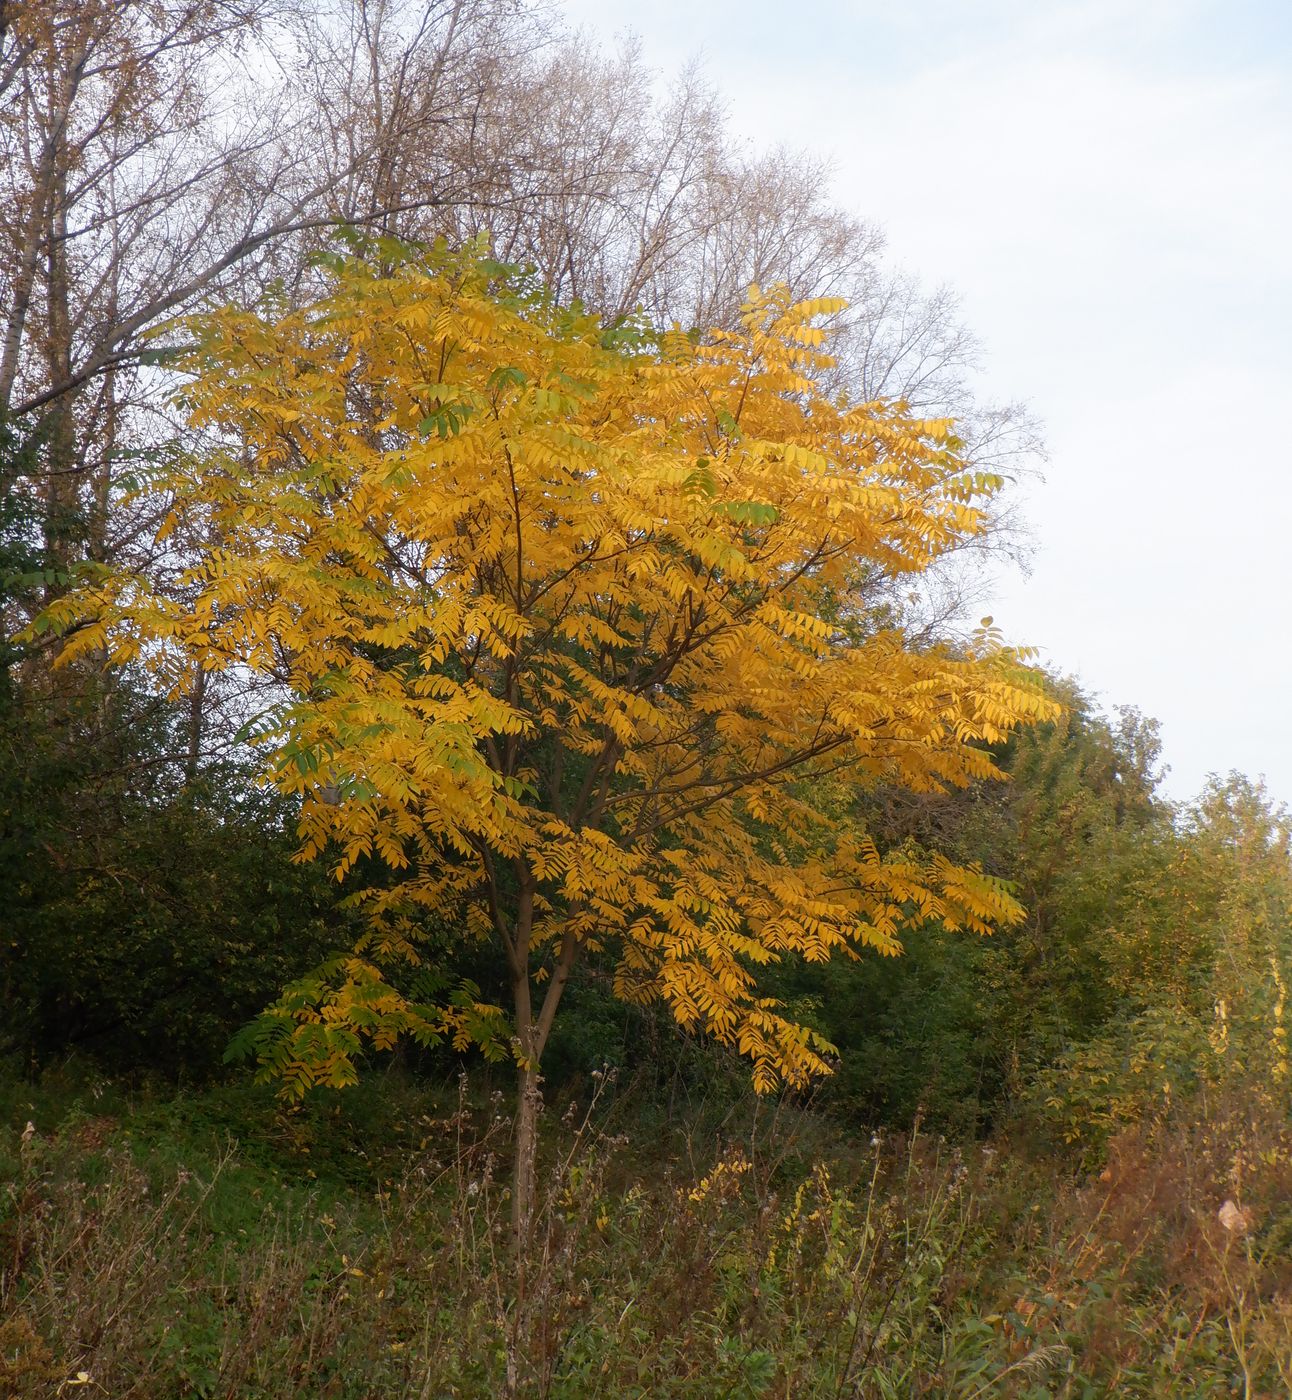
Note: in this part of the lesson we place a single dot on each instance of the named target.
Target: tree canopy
(583, 631)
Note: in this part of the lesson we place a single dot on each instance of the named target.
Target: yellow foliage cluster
(577, 629)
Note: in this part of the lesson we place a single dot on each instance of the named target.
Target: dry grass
(902, 1268)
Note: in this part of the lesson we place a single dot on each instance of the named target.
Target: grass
(210, 1244)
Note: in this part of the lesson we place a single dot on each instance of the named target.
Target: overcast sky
(1108, 185)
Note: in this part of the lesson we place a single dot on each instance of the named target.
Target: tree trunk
(532, 1032)
(528, 1103)
(523, 1194)
(63, 526)
(195, 701)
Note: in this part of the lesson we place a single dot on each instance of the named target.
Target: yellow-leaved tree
(576, 629)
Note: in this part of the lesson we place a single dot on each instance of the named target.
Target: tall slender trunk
(23, 285)
(524, 1171)
(527, 1080)
(96, 543)
(62, 495)
(195, 702)
(531, 1033)
(49, 183)
(528, 1107)
(524, 1176)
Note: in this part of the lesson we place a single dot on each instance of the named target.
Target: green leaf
(729, 425)
(748, 512)
(162, 354)
(507, 374)
(446, 421)
(701, 480)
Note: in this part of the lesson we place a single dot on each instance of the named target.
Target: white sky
(1108, 185)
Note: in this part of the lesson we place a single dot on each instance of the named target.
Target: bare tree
(160, 151)
(155, 154)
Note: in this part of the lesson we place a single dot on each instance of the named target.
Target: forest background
(1054, 1160)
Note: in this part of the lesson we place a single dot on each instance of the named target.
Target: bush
(146, 916)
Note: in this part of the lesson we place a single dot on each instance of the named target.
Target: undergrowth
(215, 1245)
